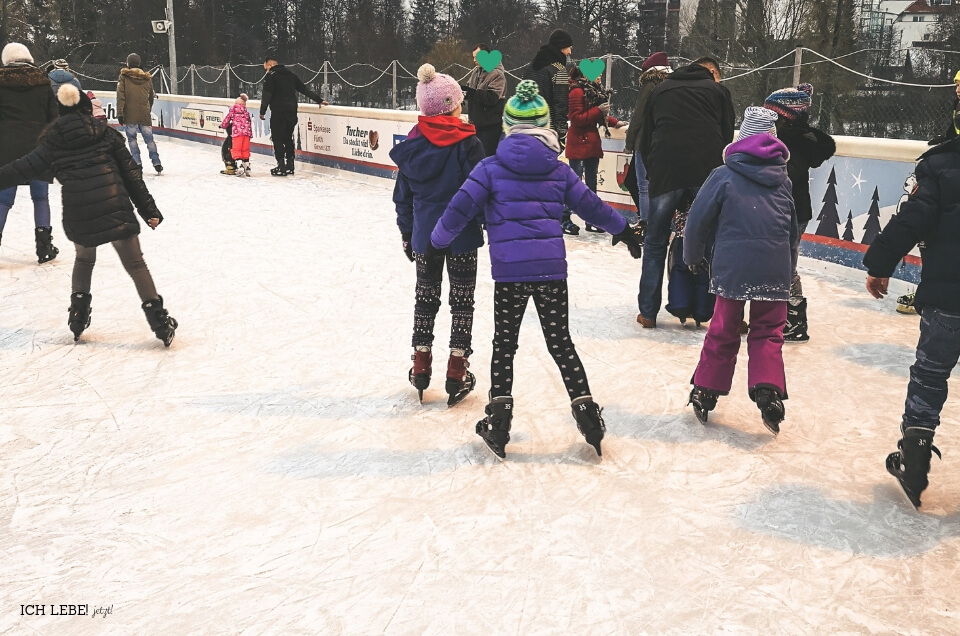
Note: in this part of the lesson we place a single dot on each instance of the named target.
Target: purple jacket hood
(761, 158)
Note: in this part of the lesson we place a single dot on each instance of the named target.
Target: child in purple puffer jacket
(521, 193)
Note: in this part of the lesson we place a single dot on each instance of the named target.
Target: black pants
(462, 269)
(132, 258)
(225, 151)
(489, 136)
(282, 126)
(509, 304)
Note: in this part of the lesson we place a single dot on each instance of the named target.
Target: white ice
(273, 473)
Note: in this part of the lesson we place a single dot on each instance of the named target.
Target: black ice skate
(704, 401)
(589, 421)
(911, 463)
(771, 406)
(796, 329)
(279, 171)
(158, 168)
(460, 382)
(494, 429)
(571, 228)
(45, 249)
(159, 320)
(420, 372)
(79, 317)
(905, 304)
(594, 229)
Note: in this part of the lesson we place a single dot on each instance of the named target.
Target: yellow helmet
(956, 78)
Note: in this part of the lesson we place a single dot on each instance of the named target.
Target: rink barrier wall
(860, 188)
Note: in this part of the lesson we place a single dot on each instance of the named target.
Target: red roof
(921, 6)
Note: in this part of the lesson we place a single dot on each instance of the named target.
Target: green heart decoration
(489, 60)
(592, 69)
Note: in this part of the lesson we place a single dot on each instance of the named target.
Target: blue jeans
(937, 355)
(655, 250)
(41, 204)
(643, 186)
(147, 132)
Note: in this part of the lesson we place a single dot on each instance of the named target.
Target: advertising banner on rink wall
(854, 194)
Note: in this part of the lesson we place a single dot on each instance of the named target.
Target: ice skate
(241, 170)
(589, 421)
(796, 329)
(158, 168)
(571, 228)
(160, 321)
(593, 229)
(494, 429)
(905, 304)
(911, 463)
(703, 401)
(460, 382)
(771, 407)
(246, 169)
(45, 249)
(79, 317)
(279, 171)
(229, 170)
(420, 372)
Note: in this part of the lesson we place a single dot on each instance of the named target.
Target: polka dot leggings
(462, 269)
(509, 304)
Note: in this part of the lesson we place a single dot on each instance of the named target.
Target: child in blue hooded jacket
(745, 221)
(433, 163)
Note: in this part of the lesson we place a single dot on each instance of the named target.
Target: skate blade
(457, 396)
(906, 310)
(893, 467)
(773, 427)
(495, 449)
(420, 395)
(701, 414)
(596, 447)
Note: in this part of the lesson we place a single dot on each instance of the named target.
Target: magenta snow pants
(764, 346)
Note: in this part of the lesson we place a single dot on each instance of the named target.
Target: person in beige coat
(135, 97)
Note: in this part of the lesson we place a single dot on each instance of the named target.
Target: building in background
(898, 25)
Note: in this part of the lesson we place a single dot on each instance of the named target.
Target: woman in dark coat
(809, 148)
(27, 106)
(98, 179)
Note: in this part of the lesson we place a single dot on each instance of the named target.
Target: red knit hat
(657, 59)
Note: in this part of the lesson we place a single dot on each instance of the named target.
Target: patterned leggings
(509, 305)
(462, 269)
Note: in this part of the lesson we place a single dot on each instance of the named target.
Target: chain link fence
(846, 102)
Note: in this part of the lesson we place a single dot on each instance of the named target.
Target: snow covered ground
(273, 473)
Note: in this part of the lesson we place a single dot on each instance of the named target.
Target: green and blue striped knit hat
(526, 107)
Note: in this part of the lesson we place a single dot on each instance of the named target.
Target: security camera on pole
(166, 26)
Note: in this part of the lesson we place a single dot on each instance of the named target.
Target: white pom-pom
(68, 95)
(426, 73)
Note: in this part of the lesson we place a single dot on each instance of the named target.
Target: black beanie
(133, 60)
(560, 39)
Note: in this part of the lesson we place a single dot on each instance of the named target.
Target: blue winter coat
(429, 176)
(521, 192)
(745, 212)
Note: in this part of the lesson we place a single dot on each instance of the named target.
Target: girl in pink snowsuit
(242, 131)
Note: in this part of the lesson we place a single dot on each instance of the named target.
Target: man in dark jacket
(280, 90)
(931, 215)
(549, 70)
(135, 97)
(687, 122)
(953, 128)
(485, 97)
(27, 106)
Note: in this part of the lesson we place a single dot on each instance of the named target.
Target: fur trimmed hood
(22, 77)
(137, 75)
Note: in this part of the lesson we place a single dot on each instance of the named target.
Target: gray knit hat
(757, 120)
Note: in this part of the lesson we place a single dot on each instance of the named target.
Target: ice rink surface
(273, 473)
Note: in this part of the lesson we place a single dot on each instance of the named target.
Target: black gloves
(434, 256)
(467, 91)
(632, 236)
(407, 246)
(698, 268)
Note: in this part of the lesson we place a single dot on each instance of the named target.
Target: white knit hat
(15, 52)
(757, 120)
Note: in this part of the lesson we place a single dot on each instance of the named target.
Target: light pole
(173, 48)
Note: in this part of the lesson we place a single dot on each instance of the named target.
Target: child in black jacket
(98, 178)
